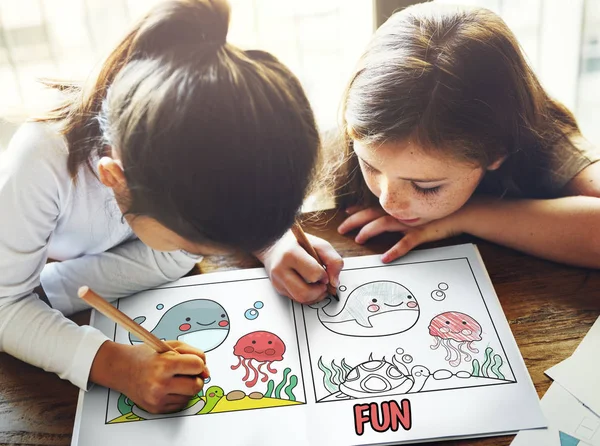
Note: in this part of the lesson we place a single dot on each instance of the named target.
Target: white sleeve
(29, 208)
(123, 270)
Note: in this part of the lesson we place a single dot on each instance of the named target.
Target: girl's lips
(408, 220)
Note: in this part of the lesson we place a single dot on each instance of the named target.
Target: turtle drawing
(196, 406)
(375, 378)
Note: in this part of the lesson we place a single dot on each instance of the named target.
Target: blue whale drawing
(379, 308)
(201, 323)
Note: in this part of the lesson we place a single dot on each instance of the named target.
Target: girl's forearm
(110, 365)
(566, 230)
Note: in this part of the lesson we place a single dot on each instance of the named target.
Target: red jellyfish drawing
(261, 346)
(454, 330)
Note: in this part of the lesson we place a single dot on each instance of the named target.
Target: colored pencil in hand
(123, 320)
(303, 241)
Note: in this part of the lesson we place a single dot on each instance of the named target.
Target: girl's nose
(392, 198)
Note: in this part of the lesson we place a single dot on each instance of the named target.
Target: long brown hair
(453, 80)
(218, 144)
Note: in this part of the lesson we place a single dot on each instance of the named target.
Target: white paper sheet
(537, 437)
(579, 374)
(415, 350)
(564, 414)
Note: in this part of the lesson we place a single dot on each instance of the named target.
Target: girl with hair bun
(181, 145)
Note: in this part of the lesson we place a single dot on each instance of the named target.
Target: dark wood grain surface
(550, 308)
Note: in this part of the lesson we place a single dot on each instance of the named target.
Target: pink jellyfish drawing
(261, 346)
(454, 330)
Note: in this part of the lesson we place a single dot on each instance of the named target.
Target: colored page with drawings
(415, 350)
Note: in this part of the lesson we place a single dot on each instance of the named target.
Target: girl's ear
(111, 175)
(496, 164)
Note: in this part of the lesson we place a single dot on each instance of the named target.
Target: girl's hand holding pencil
(158, 376)
(296, 274)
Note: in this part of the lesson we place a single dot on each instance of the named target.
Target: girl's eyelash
(421, 190)
(368, 168)
(426, 190)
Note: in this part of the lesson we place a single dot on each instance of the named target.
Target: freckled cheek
(439, 206)
(445, 203)
(459, 195)
(426, 207)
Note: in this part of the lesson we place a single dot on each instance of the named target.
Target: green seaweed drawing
(290, 387)
(334, 375)
(327, 379)
(485, 367)
(490, 367)
(346, 367)
(282, 383)
(496, 367)
(475, 371)
(270, 386)
(275, 391)
(339, 373)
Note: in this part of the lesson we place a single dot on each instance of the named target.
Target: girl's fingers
(308, 268)
(332, 261)
(182, 347)
(298, 289)
(168, 403)
(187, 386)
(410, 240)
(360, 219)
(353, 209)
(379, 226)
(436, 230)
(173, 403)
(187, 364)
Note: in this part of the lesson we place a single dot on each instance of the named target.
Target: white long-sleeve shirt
(43, 214)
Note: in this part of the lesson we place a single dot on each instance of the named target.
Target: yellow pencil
(123, 320)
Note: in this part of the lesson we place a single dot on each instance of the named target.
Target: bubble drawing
(438, 294)
(252, 313)
(160, 306)
(342, 288)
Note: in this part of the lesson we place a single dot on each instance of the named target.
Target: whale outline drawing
(358, 319)
(175, 324)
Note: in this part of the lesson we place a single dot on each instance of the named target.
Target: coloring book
(415, 350)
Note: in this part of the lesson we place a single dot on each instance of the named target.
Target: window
(320, 40)
(561, 42)
(588, 92)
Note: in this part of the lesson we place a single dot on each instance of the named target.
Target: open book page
(414, 351)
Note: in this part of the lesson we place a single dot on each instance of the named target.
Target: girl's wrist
(109, 365)
(262, 254)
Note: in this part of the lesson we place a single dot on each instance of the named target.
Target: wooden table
(550, 308)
